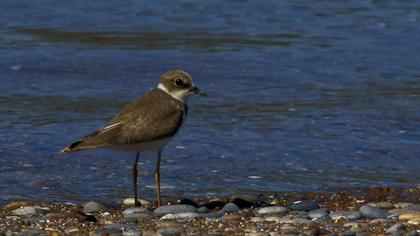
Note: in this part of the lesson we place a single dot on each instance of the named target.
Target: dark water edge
(304, 95)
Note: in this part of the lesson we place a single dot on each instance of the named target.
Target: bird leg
(136, 203)
(157, 178)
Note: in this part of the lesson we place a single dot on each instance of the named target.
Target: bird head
(178, 84)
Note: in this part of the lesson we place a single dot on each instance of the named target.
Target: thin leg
(157, 178)
(136, 203)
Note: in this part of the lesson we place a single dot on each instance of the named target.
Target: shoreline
(367, 211)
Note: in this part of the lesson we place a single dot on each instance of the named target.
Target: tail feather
(99, 138)
(72, 147)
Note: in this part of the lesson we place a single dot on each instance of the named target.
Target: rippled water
(304, 95)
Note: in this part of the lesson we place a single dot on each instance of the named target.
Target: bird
(146, 124)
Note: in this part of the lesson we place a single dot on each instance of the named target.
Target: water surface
(304, 95)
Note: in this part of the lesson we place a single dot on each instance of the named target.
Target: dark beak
(196, 90)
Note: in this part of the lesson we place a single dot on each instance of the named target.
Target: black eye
(178, 82)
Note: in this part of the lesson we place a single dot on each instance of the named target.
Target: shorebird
(147, 124)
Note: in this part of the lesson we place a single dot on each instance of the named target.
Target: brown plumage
(137, 122)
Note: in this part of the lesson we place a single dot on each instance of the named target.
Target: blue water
(304, 95)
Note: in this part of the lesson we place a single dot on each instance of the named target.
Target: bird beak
(196, 90)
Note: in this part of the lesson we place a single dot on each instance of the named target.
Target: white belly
(145, 146)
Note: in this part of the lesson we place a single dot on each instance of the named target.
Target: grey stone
(229, 208)
(347, 233)
(202, 209)
(305, 206)
(173, 209)
(171, 231)
(24, 211)
(354, 215)
(413, 233)
(131, 232)
(108, 232)
(398, 233)
(211, 215)
(92, 206)
(33, 232)
(132, 210)
(182, 215)
(373, 212)
(134, 217)
(257, 219)
(272, 210)
(318, 213)
(300, 221)
(321, 220)
(53, 215)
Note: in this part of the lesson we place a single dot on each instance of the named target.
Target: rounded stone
(171, 231)
(92, 206)
(318, 213)
(132, 210)
(373, 212)
(305, 205)
(257, 219)
(182, 215)
(229, 208)
(173, 209)
(396, 227)
(415, 221)
(409, 216)
(272, 210)
(15, 205)
(24, 211)
(202, 209)
(130, 202)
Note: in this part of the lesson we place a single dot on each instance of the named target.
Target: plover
(148, 123)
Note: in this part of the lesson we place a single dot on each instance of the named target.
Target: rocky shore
(379, 211)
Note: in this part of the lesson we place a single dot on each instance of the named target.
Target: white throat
(179, 95)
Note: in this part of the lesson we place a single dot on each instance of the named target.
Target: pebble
(274, 219)
(229, 208)
(173, 209)
(107, 232)
(15, 205)
(347, 233)
(131, 232)
(257, 219)
(318, 213)
(91, 207)
(71, 230)
(373, 212)
(409, 216)
(396, 227)
(203, 209)
(272, 210)
(133, 210)
(305, 205)
(182, 215)
(384, 205)
(187, 201)
(380, 221)
(402, 204)
(231, 217)
(299, 221)
(24, 211)
(415, 221)
(53, 215)
(130, 202)
(356, 227)
(171, 231)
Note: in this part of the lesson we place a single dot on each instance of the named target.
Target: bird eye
(178, 82)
